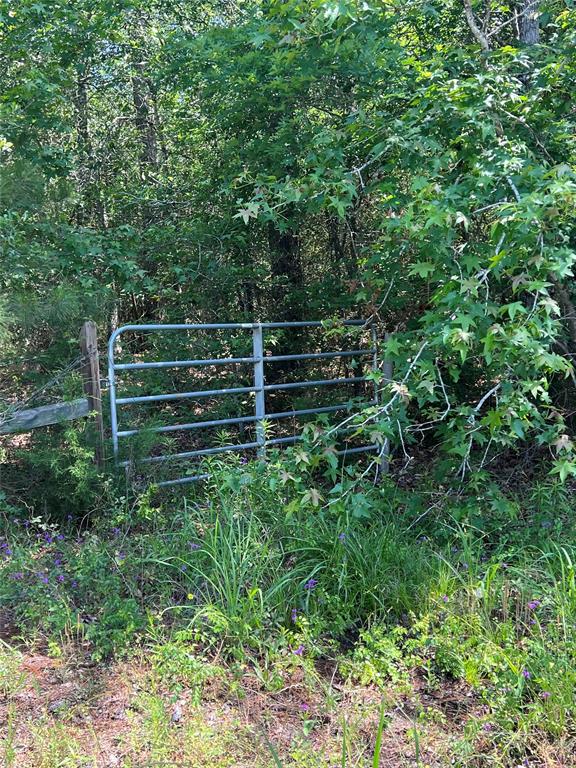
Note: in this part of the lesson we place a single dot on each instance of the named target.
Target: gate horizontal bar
(296, 438)
(234, 360)
(192, 454)
(192, 425)
(318, 383)
(182, 480)
(283, 440)
(226, 326)
(184, 395)
(239, 447)
(319, 355)
(194, 478)
(181, 363)
(360, 448)
(310, 324)
(241, 419)
(309, 411)
(235, 390)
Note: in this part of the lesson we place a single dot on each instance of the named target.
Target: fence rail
(26, 420)
(45, 415)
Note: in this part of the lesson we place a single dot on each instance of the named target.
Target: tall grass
(485, 595)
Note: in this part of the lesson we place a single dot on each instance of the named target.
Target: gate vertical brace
(260, 404)
(112, 395)
(374, 339)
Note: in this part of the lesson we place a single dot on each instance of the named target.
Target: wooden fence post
(91, 382)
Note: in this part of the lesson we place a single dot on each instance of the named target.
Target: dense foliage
(408, 162)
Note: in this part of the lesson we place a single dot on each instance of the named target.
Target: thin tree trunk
(529, 21)
(157, 124)
(475, 27)
(287, 275)
(287, 283)
(91, 204)
(83, 145)
(144, 121)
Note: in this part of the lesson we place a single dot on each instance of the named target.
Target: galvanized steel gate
(259, 388)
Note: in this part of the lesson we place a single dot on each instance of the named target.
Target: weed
(242, 579)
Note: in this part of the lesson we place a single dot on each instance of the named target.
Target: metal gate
(258, 361)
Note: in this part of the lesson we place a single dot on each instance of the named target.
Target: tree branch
(474, 28)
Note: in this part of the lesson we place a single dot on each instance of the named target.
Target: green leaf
(422, 268)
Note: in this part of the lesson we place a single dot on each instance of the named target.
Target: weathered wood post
(91, 383)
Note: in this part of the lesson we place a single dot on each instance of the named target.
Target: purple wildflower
(545, 695)
(310, 584)
(533, 604)
(488, 727)
(526, 674)
(294, 615)
(60, 537)
(121, 556)
(342, 537)
(243, 460)
(304, 707)
(194, 546)
(44, 579)
(60, 578)
(445, 598)
(17, 575)
(74, 584)
(299, 651)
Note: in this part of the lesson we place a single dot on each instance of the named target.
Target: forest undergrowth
(246, 623)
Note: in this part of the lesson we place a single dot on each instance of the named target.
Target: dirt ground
(106, 715)
(70, 712)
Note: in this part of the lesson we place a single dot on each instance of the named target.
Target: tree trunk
(529, 34)
(529, 21)
(83, 145)
(144, 121)
(287, 275)
(91, 205)
(286, 304)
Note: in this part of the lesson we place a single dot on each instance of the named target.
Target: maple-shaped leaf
(563, 443)
(400, 389)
